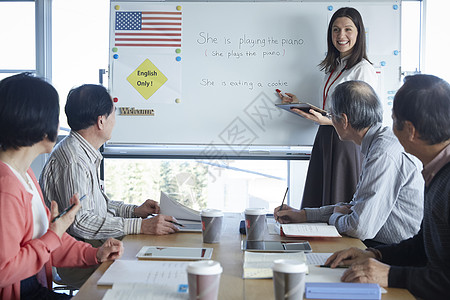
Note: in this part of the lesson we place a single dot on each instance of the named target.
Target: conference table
(230, 256)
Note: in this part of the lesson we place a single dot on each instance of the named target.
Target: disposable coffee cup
(211, 225)
(255, 224)
(204, 279)
(289, 279)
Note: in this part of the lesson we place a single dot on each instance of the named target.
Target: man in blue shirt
(384, 208)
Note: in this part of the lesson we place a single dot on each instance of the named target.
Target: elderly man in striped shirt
(387, 206)
(73, 168)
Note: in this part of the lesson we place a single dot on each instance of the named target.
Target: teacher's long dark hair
(330, 62)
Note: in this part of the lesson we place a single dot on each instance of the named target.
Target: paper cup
(255, 223)
(204, 279)
(211, 225)
(289, 279)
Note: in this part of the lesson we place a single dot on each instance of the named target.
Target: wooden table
(228, 253)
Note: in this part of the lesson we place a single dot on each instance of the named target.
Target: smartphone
(275, 246)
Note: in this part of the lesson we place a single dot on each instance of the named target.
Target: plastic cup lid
(255, 211)
(211, 213)
(289, 266)
(204, 267)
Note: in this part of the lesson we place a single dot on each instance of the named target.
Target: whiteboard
(214, 83)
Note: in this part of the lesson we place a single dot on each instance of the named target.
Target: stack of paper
(309, 230)
(172, 208)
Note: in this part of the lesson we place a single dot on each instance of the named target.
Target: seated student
(73, 168)
(385, 207)
(29, 243)
(420, 264)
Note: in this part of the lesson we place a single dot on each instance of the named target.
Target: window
(230, 185)
(411, 23)
(80, 44)
(20, 53)
(436, 44)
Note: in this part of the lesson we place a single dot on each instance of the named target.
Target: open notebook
(309, 230)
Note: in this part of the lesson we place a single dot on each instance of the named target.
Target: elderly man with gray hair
(387, 206)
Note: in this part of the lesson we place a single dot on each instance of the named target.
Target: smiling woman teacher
(335, 165)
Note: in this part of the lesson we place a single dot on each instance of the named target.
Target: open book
(309, 230)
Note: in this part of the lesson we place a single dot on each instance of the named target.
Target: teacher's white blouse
(363, 71)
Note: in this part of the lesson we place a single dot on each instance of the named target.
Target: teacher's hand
(288, 98)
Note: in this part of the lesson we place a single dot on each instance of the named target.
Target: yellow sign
(147, 79)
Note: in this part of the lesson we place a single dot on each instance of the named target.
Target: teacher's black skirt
(333, 170)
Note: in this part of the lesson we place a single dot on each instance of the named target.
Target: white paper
(180, 253)
(190, 226)
(318, 274)
(134, 291)
(259, 265)
(314, 258)
(310, 229)
(172, 208)
(168, 273)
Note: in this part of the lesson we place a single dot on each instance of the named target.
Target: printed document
(172, 208)
(259, 264)
(310, 230)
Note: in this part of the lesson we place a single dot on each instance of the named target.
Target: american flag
(148, 29)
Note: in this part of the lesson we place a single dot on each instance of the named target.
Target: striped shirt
(73, 168)
(388, 203)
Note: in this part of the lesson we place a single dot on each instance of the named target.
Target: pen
(178, 224)
(173, 222)
(337, 267)
(282, 202)
(66, 210)
(279, 92)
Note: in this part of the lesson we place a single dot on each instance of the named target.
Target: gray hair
(359, 102)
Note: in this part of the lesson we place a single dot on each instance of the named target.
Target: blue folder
(342, 290)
